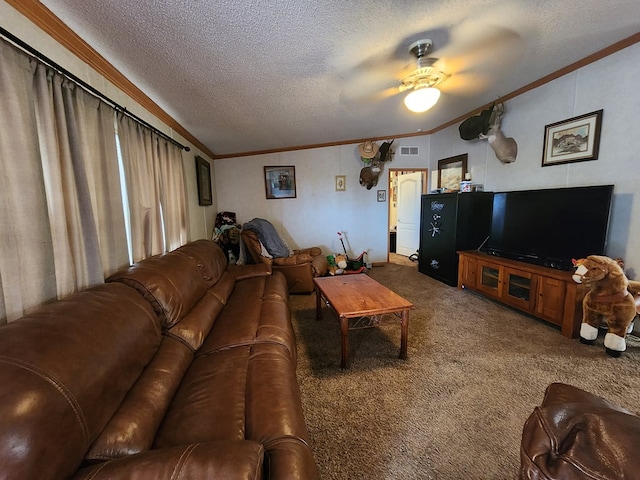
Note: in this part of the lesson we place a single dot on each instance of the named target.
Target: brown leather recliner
(575, 434)
(299, 269)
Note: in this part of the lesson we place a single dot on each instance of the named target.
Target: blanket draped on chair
(269, 237)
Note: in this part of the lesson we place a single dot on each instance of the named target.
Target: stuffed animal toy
(611, 298)
(337, 264)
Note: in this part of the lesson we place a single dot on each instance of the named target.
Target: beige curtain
(173, 197)
(141, 170)
(155, 188)
(27, 274)
(62, 220)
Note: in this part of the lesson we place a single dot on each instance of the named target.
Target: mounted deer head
(506, 149)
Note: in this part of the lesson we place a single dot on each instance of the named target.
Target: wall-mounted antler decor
(374, 156)
(486, 126)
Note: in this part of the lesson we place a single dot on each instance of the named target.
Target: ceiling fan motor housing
(426, 75)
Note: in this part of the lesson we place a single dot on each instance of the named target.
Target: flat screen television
(551, 226)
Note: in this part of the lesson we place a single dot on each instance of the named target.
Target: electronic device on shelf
(550, 226)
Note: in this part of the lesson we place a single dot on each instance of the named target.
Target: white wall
(319, 211)
(200, 218)
(609, 84)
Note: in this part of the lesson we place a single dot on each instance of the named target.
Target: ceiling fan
(423, 80)
(470, 57)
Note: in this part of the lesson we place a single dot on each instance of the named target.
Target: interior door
(408, 225)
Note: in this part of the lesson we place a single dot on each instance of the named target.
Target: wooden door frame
(425, 190)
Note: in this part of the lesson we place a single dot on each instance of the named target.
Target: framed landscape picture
(451, 172)
(280, 182)
(574, 140)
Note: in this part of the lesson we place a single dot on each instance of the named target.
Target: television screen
(551, 226)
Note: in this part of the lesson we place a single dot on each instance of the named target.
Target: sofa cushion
(274, 408)
(210, 403)
(64, 371)
(240, 460)
(257, 311)
(134, 426)
(172, 283)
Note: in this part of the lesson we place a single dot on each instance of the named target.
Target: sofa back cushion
(254, 247)
(209, 258)
(172, 283)
(64, 371)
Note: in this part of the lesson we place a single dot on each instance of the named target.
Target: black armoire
(450, 222)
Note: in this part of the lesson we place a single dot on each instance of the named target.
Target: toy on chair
(612, 298)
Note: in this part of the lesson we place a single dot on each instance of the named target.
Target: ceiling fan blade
(359, 96)
(466, 84)
(483, 42)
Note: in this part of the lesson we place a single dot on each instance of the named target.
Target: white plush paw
(614, 342)
(630, 328)
(588, 332)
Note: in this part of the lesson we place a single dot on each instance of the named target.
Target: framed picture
(382, 195)
(451, 172)
(574, 140)
(341, 183)
(280, 182)
(203, 175)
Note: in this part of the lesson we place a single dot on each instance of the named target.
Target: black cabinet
(450, 222)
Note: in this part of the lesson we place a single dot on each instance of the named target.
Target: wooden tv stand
(543, 292)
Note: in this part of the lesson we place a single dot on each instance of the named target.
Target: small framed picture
(576, 139)
(382, 195)
(341, 183)
(280, 182)
(203, 174)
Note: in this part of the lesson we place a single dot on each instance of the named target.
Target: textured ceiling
(248, 75)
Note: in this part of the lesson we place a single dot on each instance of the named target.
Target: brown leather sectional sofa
(178, 367)
(577, 435)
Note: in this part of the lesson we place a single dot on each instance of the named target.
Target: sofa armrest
(313, 251)
(575, 434)
(295, 259)
(240, 272)
(241, 459)
(320, 266)
(290, 458)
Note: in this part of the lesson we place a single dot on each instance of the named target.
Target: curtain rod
(63, 71)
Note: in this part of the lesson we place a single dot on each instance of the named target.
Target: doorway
(405, 189)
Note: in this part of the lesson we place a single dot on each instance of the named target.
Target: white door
(408, 226)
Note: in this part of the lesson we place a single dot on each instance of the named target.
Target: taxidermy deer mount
(486, 126)
(505, 148)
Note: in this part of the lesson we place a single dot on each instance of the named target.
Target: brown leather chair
(575, 434)
(299, 269)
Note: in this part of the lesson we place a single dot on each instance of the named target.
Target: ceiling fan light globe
(422, 99)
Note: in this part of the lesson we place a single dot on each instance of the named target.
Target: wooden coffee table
(361, 302)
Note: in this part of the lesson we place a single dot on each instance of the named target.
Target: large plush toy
(611, 299)
(337, 264)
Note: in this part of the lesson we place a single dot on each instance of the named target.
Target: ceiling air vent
(408, 150)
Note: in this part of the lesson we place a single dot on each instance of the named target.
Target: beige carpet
(398, 259)
(455, 408)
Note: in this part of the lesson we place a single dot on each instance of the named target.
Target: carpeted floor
(455, 408)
